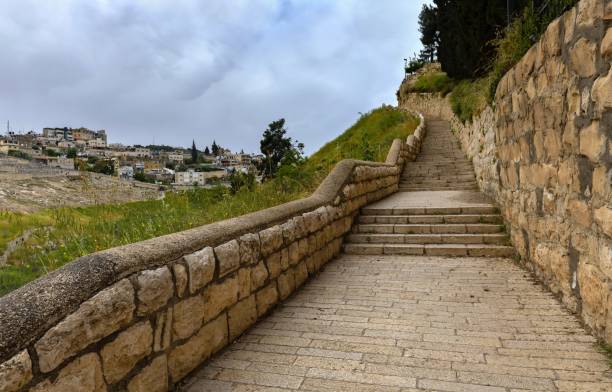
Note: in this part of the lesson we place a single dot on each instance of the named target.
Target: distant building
(191, 177)
(176, 157)
(5, 146)
(96, 143)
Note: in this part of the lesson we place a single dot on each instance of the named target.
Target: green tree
(239, 181)
(215, 148)
(104, 166)
(206, 151)
(430, 35)
(274, 146)
(71, 153)
(194, 152)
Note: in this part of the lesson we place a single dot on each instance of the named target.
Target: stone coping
(26, 313)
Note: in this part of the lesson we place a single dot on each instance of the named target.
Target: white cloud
(172, 71)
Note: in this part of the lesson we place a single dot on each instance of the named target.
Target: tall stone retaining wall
(141, 317)
(544, 153)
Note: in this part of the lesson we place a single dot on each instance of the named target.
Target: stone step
(416, 228)
(430, 219)
(474, 250)
(498, 239)
(436, 188)
(468, 210)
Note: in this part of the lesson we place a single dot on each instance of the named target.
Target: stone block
(228, 255)
(250, 249)
(589, 12)
(84, 374)
(592, 142)
(301, 274)
(181, 279)
(594, 294)
(289, 231)
(266, 298)
(259, 275)
(96, 318)
(286, 284)
(210, 339)
(606, 44)
(273, 262)
(603, 217)
(294, 253)
(244, 282)
(220, 296)
(602, 182)
(155, 288)
(16, 372)
(163, 330)
(129, 347)
(241, 316)
(581, 56)
(152, 378)
(284, 261)
(187, 315)
(602, 92)
(201, 266)
(271, 240)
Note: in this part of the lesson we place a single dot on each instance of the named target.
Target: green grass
(469, 98)
(433, 82)
(64, 234)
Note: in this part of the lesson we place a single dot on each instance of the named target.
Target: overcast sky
(169, 71)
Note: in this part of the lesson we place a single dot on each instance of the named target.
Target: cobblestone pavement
(413, 323)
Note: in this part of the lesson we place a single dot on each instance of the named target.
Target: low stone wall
(544, 153)
(142, 316)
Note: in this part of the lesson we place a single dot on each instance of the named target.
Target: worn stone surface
(96, 318)
(129, 347)
(181, 279)
(155, 288)
(250, 249)
(163, 330)
(266, 298)
(241, 316)
(153, 378)
(16, 372)
(220, 296)
(228, 255)
(210, 339)
(271, 240)
(187, 317)
(201, 266)
(259, 275)
(84, 374)
(412, 323)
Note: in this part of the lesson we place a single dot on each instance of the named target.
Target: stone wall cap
(29, 311)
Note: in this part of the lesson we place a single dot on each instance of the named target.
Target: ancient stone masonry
(544, 153)
(143, 316)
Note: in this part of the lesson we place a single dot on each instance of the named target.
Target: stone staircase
(438, 210)
(441, 164)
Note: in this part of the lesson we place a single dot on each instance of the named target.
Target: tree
(194, 152)
(276, 146)
(71, 153)
(466, 31)
(430, 36)
(215, 148)
(206, 151)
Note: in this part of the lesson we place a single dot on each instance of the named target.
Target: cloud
(173, 71)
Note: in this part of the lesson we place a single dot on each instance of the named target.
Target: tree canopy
(277, 148)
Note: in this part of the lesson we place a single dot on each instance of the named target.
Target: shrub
(19, 154)
(468, 99)
(434, 82)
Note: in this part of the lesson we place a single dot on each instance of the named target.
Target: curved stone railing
(140, 317)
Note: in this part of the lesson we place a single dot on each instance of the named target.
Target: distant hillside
(60, 235)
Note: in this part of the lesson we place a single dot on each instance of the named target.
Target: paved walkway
(413, 323)
(394, 314)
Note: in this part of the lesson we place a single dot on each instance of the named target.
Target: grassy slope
(64, 234)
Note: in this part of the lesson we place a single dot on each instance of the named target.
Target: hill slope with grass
(60, 235)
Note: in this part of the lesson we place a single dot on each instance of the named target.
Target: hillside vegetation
(63, 234)
(474, 59)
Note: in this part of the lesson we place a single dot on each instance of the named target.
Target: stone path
(413, 323)
(400, 319)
